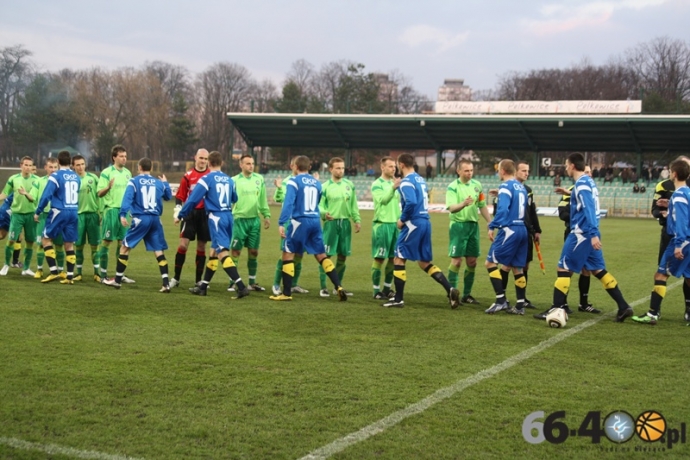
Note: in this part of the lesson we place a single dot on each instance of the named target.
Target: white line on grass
(54, 449)
(444, 393)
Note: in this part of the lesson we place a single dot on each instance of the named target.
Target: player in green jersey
(384, 233)
(337, 206)
(278, 197)
(23, 208)
(111, 188)
(89, 218)
(50, 166)
(465, 200)
(246, 230)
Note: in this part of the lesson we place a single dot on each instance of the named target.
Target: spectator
(557, 180)
(595, 173)
(429, 170)
(636, 188)
(663, 175)
(625, 175)
(608, 177)
(371, 172)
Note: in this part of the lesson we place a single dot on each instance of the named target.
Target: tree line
(165, 112)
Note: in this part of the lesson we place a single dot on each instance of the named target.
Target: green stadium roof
(630, 133)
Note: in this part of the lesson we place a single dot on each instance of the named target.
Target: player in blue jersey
(143, 199)
(414, 239)
(5, 216)
(676, 258)
(509, 245)
(217, 190)
(301, 211)
(582, 248)
(62, 191)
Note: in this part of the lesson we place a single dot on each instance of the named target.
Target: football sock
(40, 257)
(211, 268)
(288, 274)
(520, 287)
(28, 253)
(376, 276)
(200, 262)
(497, 283)
(686, 292)
(252, 267)
(340, 269)
(453, 275)
(180, 257)
(236, 261)
(504, 279)
(583, 286)
(322, 275)
(122, 261)
(388, 279)
(163, 267)
(70, 260)
(298, 269)
(469, 281)
(50, 259)
(60, 256)
(399, 278)
(231, 269)
(561, 288)
(8, 254)
(658, 295)
(80, 258)
(278, 273)
(612, 289)
(438, 276)
(94, 259)
(104, 250)
(17, 250)
(329, 269)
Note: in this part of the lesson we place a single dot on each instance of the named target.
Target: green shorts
(112, 229)
(39, 230)
(464, 239)
(89, 229)
(337, 237)
(246, 233)
(384, 236)
(19, 222)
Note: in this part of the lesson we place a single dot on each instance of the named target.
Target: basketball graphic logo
(650, 426)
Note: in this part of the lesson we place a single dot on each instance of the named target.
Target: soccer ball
(557, 317)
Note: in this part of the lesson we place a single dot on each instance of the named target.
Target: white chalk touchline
(54, 449)
(444, 393)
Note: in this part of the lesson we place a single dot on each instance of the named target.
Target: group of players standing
(70, 207)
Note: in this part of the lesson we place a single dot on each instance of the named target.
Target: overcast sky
(427, 41)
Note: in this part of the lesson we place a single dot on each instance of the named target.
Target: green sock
(322, 278)
(453, 275)
(278, 276)
(376, 276)
(388, 280)
(8, 254)
(104, 250)
(298, 270)
(80, 258)
(469, 281)
(60, 256)
(40, 257)
(28, 253)
(340, 269)
(252, 266)
(95, 259)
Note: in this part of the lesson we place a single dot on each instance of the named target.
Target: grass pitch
(141, 374)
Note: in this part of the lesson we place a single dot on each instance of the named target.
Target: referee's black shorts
(530, 247)
(195, 226)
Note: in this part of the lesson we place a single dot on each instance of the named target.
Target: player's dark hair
(406, 159)
(578, 160)
(302, 163)
(117, 148)
(64, 158)
(77, 157)
(24, 159)
(145, 164)
(521, 162)
(508, 166)
(681, 168)
(215, 159)
(335, 160)
(245, 155)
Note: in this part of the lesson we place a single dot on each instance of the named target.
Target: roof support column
(439, 160)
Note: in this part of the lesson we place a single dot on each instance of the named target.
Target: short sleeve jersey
(88, 196)
(144, 196)
(413, 198)
(38, 189)
(251, 197)
(187, 184)
(457, 192)
(113, 199)
(386, 201)
(21, 204)
(584, 207)
(62, 191)
(339, 200)
(302, 196)
(678, 223)
(217, 190)
(511, 206)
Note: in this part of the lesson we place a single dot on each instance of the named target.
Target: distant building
(388, 90)
(454, 89)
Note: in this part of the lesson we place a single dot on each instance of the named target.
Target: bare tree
(262, 95)
(16, 72)
(663, 66)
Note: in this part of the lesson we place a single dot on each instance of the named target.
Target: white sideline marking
(444, 393)
(54, 449)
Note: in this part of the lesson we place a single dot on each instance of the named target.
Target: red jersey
(188, 183)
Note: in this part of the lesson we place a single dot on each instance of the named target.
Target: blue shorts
(149, 229)
(509, 247)
(669, 265)
(414, 241)
(220, 229)
(578, 253)
(63, 222)
(4, 221)
(304, 235)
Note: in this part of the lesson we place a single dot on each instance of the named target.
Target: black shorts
(196, 226)
(530, 247)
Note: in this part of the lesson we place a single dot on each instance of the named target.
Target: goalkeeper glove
(176, 212)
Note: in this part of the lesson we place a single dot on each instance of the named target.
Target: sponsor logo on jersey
(144, 181)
